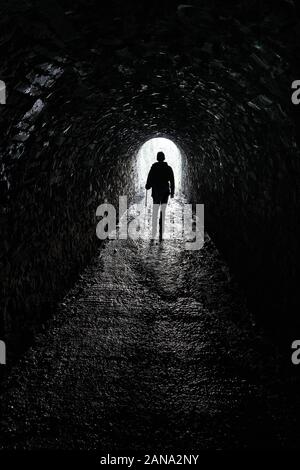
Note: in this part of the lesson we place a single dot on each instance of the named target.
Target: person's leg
(154, 218)
(163, 209)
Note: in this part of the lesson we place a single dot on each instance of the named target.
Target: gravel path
(152, 350)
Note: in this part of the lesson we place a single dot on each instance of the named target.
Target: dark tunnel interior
(90, 82)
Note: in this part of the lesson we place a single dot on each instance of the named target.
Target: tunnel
(89, 85)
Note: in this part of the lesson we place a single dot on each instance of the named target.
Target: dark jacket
(161, 180)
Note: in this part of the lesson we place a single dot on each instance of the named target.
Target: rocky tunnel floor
(152, 350)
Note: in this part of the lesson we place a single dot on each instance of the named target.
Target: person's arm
(172, 182)
(149, 179)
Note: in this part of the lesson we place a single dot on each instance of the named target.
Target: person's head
(160, 156)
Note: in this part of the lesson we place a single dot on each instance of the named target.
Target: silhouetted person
(161, 180)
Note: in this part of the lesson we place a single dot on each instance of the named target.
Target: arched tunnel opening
(93, 93)
(147, 156)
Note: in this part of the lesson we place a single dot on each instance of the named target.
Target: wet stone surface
(152, 350)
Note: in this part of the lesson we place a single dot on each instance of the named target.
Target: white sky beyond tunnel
(147, 156)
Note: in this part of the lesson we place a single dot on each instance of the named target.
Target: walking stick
(145, 218)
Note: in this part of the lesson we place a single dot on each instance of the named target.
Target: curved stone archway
(222, 97)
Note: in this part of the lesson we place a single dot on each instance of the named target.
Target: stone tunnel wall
(88, 85)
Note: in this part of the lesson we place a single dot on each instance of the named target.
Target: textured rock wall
(89, 83)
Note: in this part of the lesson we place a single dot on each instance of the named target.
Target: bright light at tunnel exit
(147, 156)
